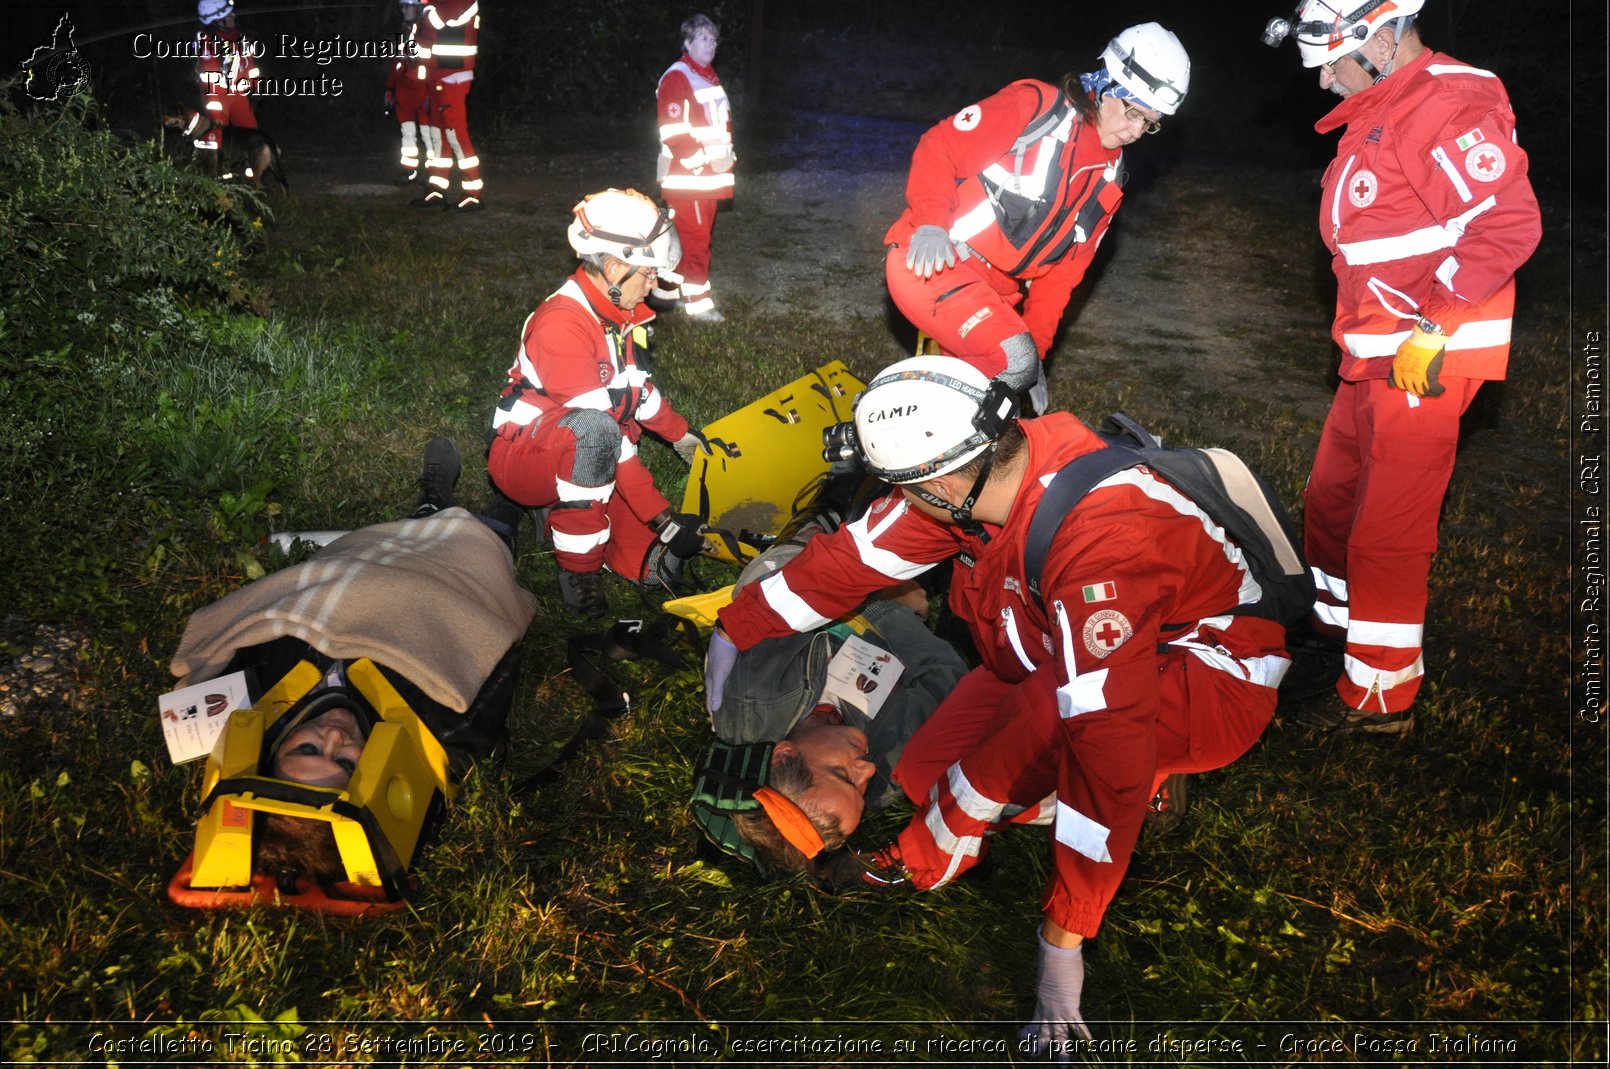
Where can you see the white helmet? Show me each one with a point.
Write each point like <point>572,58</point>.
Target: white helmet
<point>627,225</point>
<point>1327,30</point>
<point>916,420</point>
<point>211,11</point>
<point>1151,64</point>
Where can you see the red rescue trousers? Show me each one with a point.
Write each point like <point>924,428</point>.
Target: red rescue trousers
<point>531,465</point>
<point>227,109</point>
<point>447,117</point>
<point>410,97</point>
<point>967,309</point>
<point>1370,516</point>
<point>996,753</point>
<point>695,222</point>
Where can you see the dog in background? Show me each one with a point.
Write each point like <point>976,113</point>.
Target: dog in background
<point>241,150</point>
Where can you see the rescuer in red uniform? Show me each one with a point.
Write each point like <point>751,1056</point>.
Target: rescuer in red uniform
<point>1008,199</point>
<point>227,69</point>
<point>446,43</point>
<point>580,397</point>
<point>405,95</point>
<point>1427,213</point>
<point>1145,655</point>
<point>696,159</point>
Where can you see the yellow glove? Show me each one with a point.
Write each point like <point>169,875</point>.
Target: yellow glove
<point>1418,362</point>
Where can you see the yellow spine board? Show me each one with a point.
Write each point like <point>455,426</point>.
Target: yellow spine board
<point>767,455</point>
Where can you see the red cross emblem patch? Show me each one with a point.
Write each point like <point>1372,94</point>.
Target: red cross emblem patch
<point>1361,189</point>
<point>1485,162</point>
<point>968,117</point>
<point>1105,631</point>
<point>674,110</point>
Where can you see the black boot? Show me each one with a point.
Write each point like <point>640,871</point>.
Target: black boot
<point>583,593</point>
<point>438,477</point>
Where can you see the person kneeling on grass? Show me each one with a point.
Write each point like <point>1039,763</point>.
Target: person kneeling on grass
<point>412,625</point>
<point>1144,652</point>
<point>820,719</point>
<point>580,397</point>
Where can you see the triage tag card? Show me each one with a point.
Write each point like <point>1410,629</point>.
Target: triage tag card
<point>862,675</point>
<point>192,717</point>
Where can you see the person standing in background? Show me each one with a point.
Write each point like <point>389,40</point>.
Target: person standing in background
<point>696,160</point>
<point>446,50</point>
<point>227,70</point>
<point>405,96</point>
<point>1427,213</point>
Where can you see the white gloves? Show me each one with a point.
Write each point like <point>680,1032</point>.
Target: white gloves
<point>1040,393</point>
<point>929,245</point>
<point>687,447</point>
<point>718,662</point>
<point>1056,1004</point>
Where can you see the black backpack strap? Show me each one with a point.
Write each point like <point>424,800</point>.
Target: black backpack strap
<point>1220,484</point>
<point>1067,488</point>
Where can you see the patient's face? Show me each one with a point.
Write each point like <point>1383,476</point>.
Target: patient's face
<point>836,754</point>
<point>321,752</point>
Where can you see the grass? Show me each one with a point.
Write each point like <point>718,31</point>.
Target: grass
<point>1455,875</point>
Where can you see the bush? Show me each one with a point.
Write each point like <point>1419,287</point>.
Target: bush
<point>108,245</point>
<point>118,272</point>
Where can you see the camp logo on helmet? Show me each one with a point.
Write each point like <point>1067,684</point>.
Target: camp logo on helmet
<point>891,413</point>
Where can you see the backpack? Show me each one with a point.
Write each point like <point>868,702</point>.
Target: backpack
<point>1217,481</point>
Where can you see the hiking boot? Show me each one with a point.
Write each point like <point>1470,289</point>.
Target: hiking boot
<point>1167,807</point>
<point>539,520</point>
<point>583,593</point>
<point>437,477</point>
<point>469,203</point>
<point>1344,721</point>
<point>434,199</point>
<point>878,870</point>
<point>406,178</point>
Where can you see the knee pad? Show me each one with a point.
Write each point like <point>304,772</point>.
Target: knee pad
<point>598,444</point>
<point>1022,362</point>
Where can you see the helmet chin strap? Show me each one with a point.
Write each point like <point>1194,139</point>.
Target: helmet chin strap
<point>614,291</point>
<point>1378,75</point>
<point>963,513</point>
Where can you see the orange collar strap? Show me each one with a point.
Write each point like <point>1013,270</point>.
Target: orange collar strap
<point>791,821</point>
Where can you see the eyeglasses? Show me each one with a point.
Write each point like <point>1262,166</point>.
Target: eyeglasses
<point>1134,114</point>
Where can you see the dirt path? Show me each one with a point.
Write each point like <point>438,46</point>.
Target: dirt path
<point>1210,270</point>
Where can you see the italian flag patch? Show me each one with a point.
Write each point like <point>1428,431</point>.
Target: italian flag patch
<point>1100,592</point>
<point>1474,137</point>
